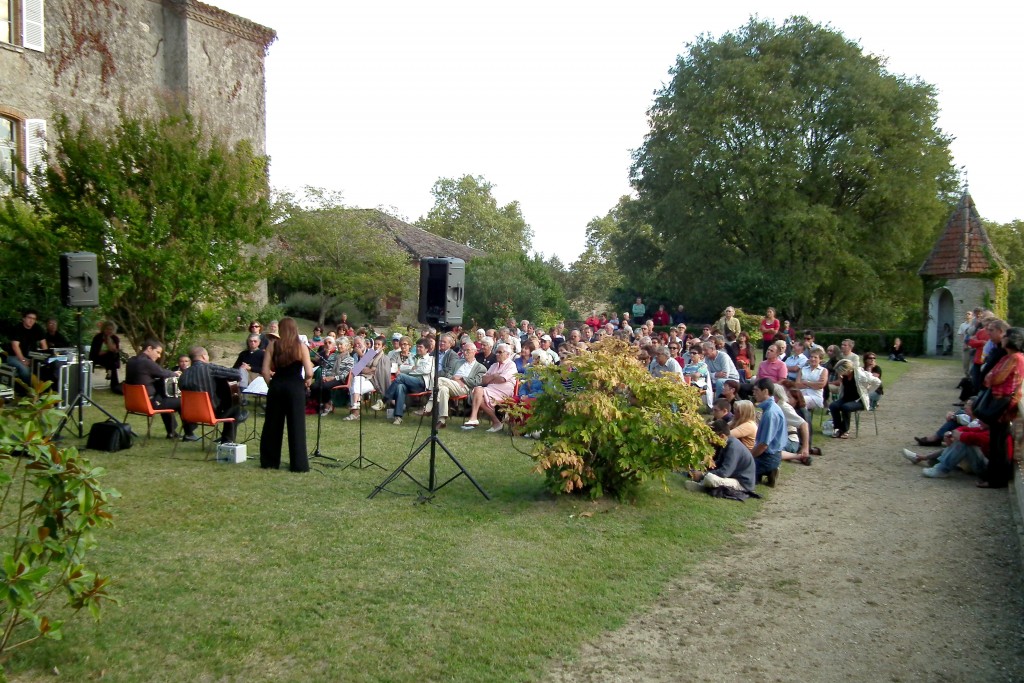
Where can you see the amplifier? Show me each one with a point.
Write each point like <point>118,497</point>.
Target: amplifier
<point>7,376</point>
<point>6,393</point>
<point>68,382</point>
<point>231,452</point>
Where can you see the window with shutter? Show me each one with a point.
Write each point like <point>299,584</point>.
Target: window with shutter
<point>35,145</point>
<point>32,24</point>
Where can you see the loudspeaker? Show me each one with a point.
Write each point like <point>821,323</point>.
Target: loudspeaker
<point>442,290</point>
<point>79,286</point>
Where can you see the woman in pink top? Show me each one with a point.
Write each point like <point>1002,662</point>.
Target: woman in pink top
<point>497,385</point>
<point>772,368</point>
<point>769,328</point>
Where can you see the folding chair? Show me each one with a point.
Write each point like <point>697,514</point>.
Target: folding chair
<point>136,402</point>
<point>856,420</point>
<point>197,408</point>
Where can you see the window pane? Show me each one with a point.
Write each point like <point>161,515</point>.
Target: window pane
<point>8,148</point>
<point>6,14</point>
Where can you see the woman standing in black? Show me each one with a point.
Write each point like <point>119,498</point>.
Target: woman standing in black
<point>283,365</point>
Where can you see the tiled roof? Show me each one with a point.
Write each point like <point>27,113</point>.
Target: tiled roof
<point>964,247</point>
<point>418,242</point>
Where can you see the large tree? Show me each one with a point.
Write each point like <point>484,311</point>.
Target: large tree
<point>503,285</point>
<point>172,213</point>
<point>338,253</point>
<point>1008,239</point>
<point>785,166</point>
<point>465,211</point>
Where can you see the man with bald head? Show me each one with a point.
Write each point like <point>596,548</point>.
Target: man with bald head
<point>204,376</point>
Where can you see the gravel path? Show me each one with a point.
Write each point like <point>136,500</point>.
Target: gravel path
<point>857,569</point>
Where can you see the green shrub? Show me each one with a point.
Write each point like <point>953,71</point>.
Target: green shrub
<point>50,505</point>
<point>609,426</point>
<point>878,341</point>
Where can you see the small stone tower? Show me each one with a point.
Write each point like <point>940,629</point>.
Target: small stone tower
<point>962,272</point>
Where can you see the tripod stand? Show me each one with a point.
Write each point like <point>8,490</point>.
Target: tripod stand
<point>433,441</point>
<point>80,399</point>
<point>330,462</point>
<point>360,462</point>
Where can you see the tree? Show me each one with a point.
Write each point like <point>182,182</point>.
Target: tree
<point>173,214</point>
<point>784,154</point>
<point>594,275</point>
<point>465,211</point>
<point>1008,239</point>
<point>499,286</point>
<point>340,254</point>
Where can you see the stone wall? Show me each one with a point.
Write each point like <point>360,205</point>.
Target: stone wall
<point>143,54</point>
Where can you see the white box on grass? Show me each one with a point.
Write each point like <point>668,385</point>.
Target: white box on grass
<point>231,452</point>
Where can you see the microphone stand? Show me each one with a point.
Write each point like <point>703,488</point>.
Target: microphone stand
<point>433,441</point>
<point>80,399</point>
<point>331,462</point>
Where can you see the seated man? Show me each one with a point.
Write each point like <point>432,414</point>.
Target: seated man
<point>415,380</point>
<point>143,369</point>
<point>465,375</point>
<point>251,359</point>
<point>212,379</point>
<point>105,352</point>
<point>796,361</point>
<point>25,338</point>
<point>54,338</point>
<point>771,438</point>
<point>664,365</point>
<point>720,365</point>
<point>734,465</point>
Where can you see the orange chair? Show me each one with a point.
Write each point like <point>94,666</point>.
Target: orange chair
<point>136,402</point>
<point>197,408</point>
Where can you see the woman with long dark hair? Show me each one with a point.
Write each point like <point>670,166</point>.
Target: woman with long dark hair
<point>283,367</point>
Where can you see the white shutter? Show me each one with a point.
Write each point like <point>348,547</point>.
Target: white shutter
<point>35,146</point>
<point>32,24</point>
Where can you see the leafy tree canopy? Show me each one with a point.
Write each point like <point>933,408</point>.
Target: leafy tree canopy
<point>338,253</point>
<point>504,285</point>
<point>1008,239</point>
<point>466,212</point>
<point>172,213</point>
<point>786,167</point>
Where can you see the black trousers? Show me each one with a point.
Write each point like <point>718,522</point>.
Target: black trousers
<point>999,471</point>
<point>286,402</point>
<point>170,424</point>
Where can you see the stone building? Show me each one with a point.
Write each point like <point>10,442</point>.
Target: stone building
<point>963,272</point>
<point>87,58</point>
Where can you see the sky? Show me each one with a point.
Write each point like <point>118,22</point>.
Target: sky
<point>547,100</point>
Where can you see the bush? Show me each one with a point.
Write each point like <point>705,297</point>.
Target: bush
<point>609,426</point>
<point>878,341</point>
<point>50,505</point>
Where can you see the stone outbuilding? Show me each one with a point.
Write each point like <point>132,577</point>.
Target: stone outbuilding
<point>963,272</point>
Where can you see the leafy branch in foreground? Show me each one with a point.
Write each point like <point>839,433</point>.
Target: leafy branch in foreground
<point>609,425</point>
<point>51,502</point>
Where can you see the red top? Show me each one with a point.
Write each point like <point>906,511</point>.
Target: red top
<point>661,318</point>
<point>1005,378</point>
<point>768,330</point>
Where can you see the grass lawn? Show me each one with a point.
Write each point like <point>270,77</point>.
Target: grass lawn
<point>228,572</point>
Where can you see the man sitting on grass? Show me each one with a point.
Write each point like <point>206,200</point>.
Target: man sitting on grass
<point>734,465</point>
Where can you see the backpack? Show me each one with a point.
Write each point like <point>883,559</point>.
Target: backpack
<point>110,436</point>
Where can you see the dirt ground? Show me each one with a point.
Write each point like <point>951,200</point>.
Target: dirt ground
<point>857,569</point>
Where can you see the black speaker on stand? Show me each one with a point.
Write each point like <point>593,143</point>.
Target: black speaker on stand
<point>442,292</point>
<point>79,288</point>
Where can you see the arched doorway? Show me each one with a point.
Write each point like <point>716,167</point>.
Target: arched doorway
<point>941,325</point>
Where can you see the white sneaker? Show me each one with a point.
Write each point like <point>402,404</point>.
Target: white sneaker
<point>496,428</point>
<point>935,473</point>
<point>378,406</point>
<point>397,421</point>
<point>910,455</point>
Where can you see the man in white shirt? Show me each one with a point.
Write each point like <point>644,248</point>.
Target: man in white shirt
<point>796,361</point>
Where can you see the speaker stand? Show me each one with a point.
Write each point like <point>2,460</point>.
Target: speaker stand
<point>80,397</point>
<point>428,490</point>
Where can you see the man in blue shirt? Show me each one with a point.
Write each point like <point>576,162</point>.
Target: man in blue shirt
<point>771,431</point>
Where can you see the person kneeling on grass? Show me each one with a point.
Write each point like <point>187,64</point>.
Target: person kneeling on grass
<point>734,465</point>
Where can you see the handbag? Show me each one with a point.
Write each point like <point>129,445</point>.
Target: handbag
<point>988,407</point>
<point>111,436</point>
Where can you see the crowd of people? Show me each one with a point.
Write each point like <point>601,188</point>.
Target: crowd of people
<point>975,437</point>
<point>763,397</point>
